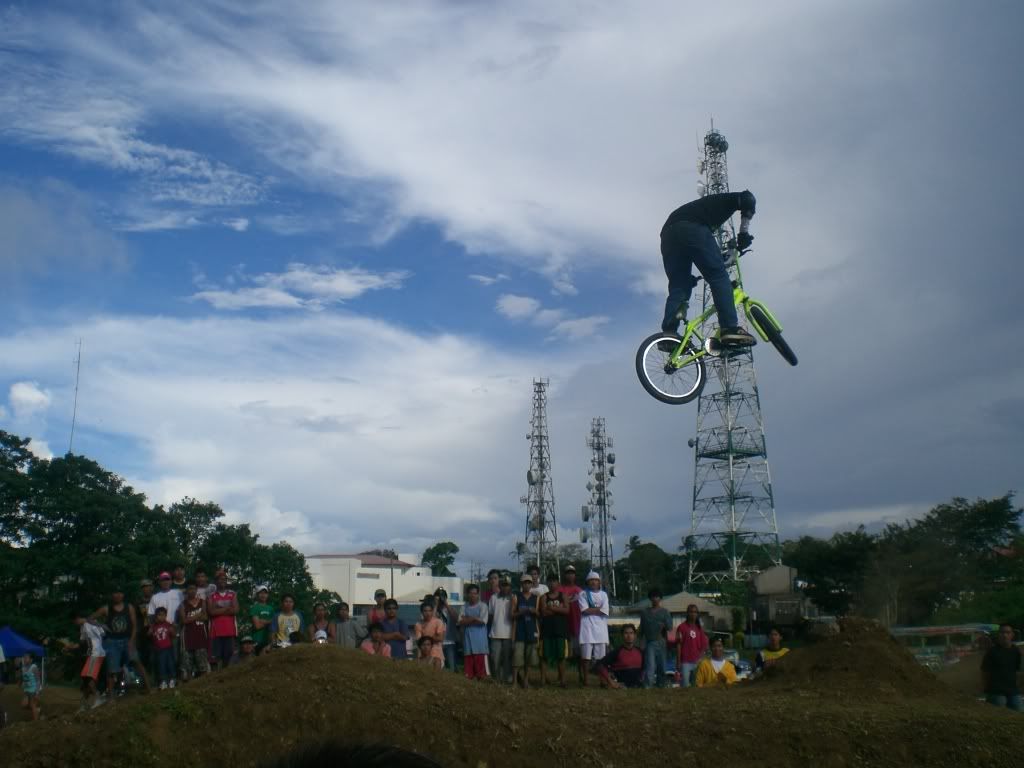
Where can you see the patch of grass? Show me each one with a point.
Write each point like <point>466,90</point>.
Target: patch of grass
<point>182,708</point>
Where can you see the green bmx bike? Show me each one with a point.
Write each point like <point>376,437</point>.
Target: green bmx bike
<point>671,367</point>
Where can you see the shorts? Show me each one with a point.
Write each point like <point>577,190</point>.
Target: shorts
<point>92,668</point>
<point>118,654</point>
<point>555,649</point>
<point>593,651</point>
<point>524,654</point>
<point>223,649</point>
<point>195,662</point>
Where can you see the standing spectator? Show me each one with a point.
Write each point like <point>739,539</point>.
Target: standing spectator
<point>178,580</point>
<point>539,587</point>
<point>524,614</point>
<point>377,613</point>
<point>142,635</point>
<point>767,656</point>
<point>624,666</point>
<point>594,611</point>
<point>375,644</point>
<point>119,642</point>
<point>246,649</point>
<point>716,671</point>
<point>500,610</point>
<point>203,585</point>
<point>321,623</point>
<point>432,627</point>
<point>447,614</point>
<point>427,654</point>
<point>999,669</point>
<point>222,608</point>
<point>286,622</point>
<point>396,631</point>
<point>260,614</point>
<point>162,633</point>
<point>554,630</point>
<point>167,598</point>
<point>348,632</point>
<point>195,633</point>
<point>691,643</point>
<point>572,591</point>
<point>90,640</point>
<point>493,587</point>
<point>655,624</point>
<point>474,634</point>
<point>31,685</point>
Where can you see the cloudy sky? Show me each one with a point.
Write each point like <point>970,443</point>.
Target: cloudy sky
<point>317,252</point>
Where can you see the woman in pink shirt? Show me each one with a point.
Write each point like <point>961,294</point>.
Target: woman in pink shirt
<point>375,644</point>
<point>431,627</point>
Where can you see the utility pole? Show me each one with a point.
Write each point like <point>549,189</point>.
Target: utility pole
<point>74,411</point>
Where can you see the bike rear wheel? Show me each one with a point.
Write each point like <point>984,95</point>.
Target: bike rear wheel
<point>662,381</point>
<point>773,333</point>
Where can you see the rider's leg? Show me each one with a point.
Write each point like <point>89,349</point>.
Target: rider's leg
<point>678,262</point>
<point>711,264</point>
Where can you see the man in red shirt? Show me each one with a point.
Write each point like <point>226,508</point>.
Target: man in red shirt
<point>571,590</point>
<point>691,643</point>
<point>623,667</point>
<point>222,607</point>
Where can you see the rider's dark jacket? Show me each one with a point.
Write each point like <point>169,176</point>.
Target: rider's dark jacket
<point>713,210</point>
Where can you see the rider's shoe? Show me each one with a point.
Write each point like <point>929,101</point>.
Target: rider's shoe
<point>736,337</point>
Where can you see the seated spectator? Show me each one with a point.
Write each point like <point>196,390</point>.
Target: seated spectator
<point>999,669</point>
<point>431,627</point>
<point>624,666</point>
<point>348,632</point>
<point>427,656</point>
<point>375,644</point>
<point>286,623</point>
<point>716,671</point>
<point>246,649</point>
<point>774,651</point>
<point>320,623</point>
<point>396,631</point>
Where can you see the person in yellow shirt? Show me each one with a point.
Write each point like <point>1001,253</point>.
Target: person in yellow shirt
<point>774,651</point>
<point>716,671</point>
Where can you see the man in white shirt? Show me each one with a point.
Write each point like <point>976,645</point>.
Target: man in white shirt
<point>500,610</point>
<point>594,610</point>
<point>166,598</point>
<point>539,587</point>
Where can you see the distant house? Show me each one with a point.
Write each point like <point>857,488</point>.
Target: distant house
<point>714,617</point>
<point>777,600</point>
<point>357,576</point>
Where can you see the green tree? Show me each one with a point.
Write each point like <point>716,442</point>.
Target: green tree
<point>440,558</point>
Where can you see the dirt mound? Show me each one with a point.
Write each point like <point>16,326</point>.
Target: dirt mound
<point>861,660</point>
<point>260,710</point>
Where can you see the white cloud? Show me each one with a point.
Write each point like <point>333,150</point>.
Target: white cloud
<point>301,286</point>
<point>580,327</point>
<point>27,399</point>
<point>521,308</point>
<point>239,225</point>
<point>3,412</point>
<point>40,448</point>
<point>517,307</point>
<point>488,279</point>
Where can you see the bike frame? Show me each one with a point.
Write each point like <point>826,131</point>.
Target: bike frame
<point>743,301</point>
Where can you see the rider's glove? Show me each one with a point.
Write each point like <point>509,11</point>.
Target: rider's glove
<point>743,240</point>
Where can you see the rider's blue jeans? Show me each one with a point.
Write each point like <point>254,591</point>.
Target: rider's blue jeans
<point>684,245</point>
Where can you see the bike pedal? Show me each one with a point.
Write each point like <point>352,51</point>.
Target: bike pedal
<point>713,346</point>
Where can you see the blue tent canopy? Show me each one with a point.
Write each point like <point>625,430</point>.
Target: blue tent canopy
<point>15,645</point>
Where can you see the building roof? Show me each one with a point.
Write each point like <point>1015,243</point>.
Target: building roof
<point>369,561</point>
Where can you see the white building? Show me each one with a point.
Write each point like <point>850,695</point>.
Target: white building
<point>356,577</point>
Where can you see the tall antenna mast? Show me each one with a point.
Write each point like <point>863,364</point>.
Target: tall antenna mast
<point>74,411</point>
<point>541,542</point>
<point>598,512</point>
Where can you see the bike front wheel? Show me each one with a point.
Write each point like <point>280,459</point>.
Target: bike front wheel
<point>662,380</point>
<point>773,334</point>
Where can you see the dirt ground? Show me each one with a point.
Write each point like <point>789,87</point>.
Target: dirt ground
<point>857,699</point>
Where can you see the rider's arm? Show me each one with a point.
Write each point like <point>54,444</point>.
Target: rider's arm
<point>747,204</point>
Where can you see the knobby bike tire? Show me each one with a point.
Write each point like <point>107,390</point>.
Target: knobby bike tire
<point>674,387</point>
<point>774,334</point>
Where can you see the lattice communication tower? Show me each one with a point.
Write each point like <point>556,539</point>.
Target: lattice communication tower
<point>733,530</point>
<point>597,513</point>
<point>541,543</point>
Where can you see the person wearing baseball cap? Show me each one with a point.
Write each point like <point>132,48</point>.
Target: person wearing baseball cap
<point>594,611</point>
<point>167,598</point>
<point>261,613</point>
<point>377,613</point>
<point>246,649</point>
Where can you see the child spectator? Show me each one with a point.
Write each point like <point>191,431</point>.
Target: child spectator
<point>162,633</point>
<point>377,613</point>
<point>260,614</point>
<point>655,624</point>
<point>222,608</point>
<point>427,655</point>
<point>375,644</point>
<point>594,610</point>
<point>554,630</point>
<point>524,614</point>
<point>286,623</point>
<point>90,640</point>
<point>691,642</point>
<point>500,610</point>
<point>192,619</point>
<point>348,632</point>
<point>396,631</point>
<point>474,634</point>
<point>716,671</point>
<point>246,649</point>
<point>624,666</point>
<point>767,656</point>
<point>167,598</point>
<point>320,623</point>
<point>431,627</point>
<point>30,685</point>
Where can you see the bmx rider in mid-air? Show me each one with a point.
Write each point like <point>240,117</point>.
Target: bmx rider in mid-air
<point>687,239</point>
